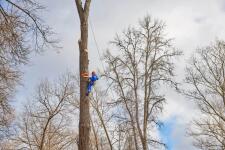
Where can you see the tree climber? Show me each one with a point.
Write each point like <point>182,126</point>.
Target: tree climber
<point>91,82</point>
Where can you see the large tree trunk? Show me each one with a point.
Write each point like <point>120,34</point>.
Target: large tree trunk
<point>84,124</point>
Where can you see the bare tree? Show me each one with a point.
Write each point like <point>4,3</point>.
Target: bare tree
<point>8,144</point>
<point>142,63</point>
<point>84,124</point>
<point>45,123</point>
<point>101,119</point>
<point>205,77</point>
<point>21,32</point>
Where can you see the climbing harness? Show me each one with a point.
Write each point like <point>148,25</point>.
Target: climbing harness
<point>91,82</point>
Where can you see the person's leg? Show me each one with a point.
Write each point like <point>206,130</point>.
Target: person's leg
<point>89,88</point>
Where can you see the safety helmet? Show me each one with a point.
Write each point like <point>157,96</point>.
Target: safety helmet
<point>93,72</point>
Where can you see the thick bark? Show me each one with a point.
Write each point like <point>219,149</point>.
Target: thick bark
<point>84,124</point>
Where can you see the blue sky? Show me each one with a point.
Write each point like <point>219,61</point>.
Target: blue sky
<point>173,134</point>
<point>191,23</point>
<point>166,133</point>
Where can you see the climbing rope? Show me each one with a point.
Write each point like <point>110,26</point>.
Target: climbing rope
<point>98,49</point>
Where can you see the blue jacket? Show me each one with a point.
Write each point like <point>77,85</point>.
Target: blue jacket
<point>93,78</point>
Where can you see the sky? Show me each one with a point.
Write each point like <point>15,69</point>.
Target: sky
<point>192,24</point>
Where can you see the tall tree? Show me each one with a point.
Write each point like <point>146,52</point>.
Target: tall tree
<point>21,32</point>
<point>143,63</point>
<point>206,79</point>
<point>84,124</point>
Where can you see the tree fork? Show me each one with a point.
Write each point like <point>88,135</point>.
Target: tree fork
<point>84,124</point>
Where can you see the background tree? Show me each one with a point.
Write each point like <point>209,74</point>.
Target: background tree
<point>101,119</point>
<point>45,123</point>
<point>206,80</point>
<point>21,32</point>
<point>142,64</point>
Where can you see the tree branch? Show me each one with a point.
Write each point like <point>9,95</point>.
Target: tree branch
<point>87,7</point>
<point>31,17</point>
<point>79,8</point>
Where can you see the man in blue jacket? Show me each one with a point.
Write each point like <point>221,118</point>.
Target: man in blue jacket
<point>91,82</point>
